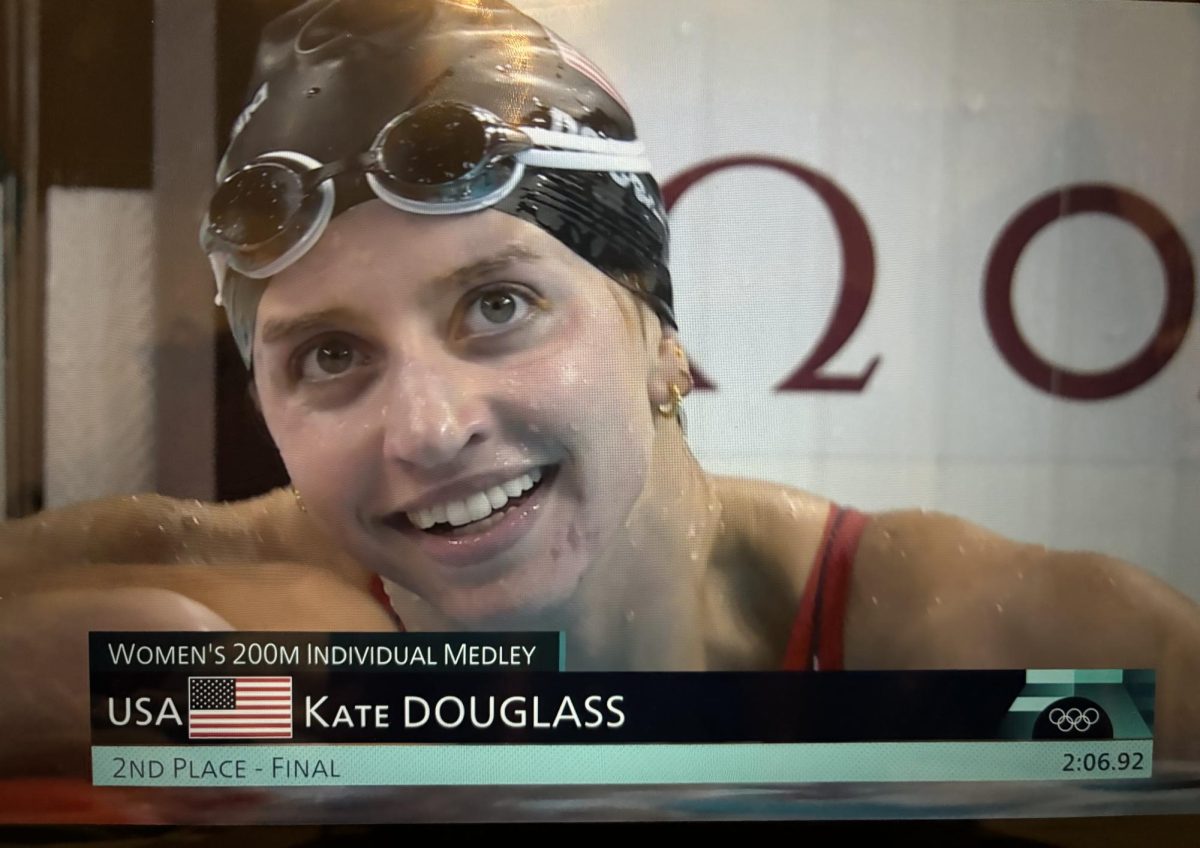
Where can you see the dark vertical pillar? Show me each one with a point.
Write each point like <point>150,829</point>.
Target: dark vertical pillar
<point>184,161</point>
<point>24,259</point>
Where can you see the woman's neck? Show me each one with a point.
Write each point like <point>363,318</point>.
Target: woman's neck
<point>641,606</point>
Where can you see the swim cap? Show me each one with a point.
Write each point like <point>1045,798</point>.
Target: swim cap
<point>331,73</point>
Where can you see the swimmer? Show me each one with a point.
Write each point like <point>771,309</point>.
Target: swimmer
<point>444,259</point>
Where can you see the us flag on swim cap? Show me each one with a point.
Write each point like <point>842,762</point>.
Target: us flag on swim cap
<point>586,67</point>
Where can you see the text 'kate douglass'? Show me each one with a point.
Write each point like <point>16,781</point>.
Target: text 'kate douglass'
<point>451,711</point>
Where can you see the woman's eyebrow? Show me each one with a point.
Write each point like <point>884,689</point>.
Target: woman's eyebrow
<point>467,274</point>
<point>277,329</point>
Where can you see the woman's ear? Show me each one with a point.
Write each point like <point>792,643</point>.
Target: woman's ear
<point>670,370</point>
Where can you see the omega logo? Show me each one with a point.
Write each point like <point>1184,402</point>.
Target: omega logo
<point>858,281</point>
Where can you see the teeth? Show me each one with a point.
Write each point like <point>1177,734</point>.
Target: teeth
<point>496,497</point>
<point>457,514</point>
<point>477,506</point>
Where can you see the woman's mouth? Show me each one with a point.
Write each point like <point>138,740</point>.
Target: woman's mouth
<point>469,530</point>
<point>478,511</point>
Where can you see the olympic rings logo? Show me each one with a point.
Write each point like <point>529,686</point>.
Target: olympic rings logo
<point>1074,719</point>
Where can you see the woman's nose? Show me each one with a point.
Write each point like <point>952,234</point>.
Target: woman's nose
<point>431,416</point>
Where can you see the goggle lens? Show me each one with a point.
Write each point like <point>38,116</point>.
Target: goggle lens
<point>256,204</point>
<point>434,146</point>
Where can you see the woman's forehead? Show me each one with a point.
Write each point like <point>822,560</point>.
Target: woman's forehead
<point>375,263</point>
<point>373,245</point>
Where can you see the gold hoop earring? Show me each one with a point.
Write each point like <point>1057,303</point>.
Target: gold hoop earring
<point>674,409</point>
<point>671,408</point>
<point>299,500</point>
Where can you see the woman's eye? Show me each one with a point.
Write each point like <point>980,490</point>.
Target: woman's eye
<point>328,359</point>
<point>495,310</point>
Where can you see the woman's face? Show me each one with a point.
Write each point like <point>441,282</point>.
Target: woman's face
<point>462,401</point>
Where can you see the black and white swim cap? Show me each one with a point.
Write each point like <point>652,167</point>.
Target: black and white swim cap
<point>330,73</point>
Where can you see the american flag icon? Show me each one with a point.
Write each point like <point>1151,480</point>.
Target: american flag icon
<point>239,708</point>
<point>586,67</point>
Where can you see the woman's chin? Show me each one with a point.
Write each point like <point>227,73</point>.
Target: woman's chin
<point>508,604</point>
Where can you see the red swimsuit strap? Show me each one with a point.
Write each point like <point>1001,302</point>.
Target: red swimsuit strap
<point>380,594</point>
<point>817,635</point>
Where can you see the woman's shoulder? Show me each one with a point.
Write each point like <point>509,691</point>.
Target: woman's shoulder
<point>782,525</point>
<point>771,534</point>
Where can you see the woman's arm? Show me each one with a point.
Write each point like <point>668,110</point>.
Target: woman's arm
<point>45,619</point>
<point>933,591</point>
<point>158,529</point>
<point>149,563</point>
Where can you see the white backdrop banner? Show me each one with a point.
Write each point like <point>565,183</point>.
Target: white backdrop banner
<point>935,254</point>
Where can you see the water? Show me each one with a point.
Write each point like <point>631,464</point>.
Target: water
<point>1174,790</point>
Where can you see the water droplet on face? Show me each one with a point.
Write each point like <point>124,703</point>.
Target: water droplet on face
<point>999,608</point>
<point>962,549</point>
<point>874,601</point>
<point>937,601</point>
<point>196,520</point>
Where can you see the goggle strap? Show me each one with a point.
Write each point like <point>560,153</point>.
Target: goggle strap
<point>578,161</point>
<point>583,143</point>
<point>312,179</point>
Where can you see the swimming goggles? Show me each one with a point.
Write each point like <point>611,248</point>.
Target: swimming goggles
<point>441,158</point>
